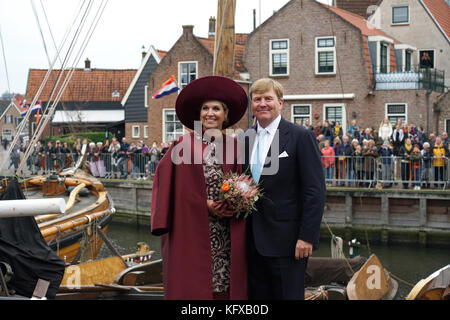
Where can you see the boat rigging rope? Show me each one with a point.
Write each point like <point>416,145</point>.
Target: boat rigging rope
<point>4,60</point>
<point>56,48</point>
<point>332,234</point>
<point>346,259</point>
<point>24,121</point>
<point>51,108</point>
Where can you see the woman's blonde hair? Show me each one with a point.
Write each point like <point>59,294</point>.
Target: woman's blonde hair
<point>264,85</point>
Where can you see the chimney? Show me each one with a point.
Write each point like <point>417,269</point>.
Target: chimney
<point>87,65</point>
<point>143,52</point>
<point>212,27</point>
<point>188,30</point>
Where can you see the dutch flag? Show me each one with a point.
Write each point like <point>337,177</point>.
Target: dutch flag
<point>24,109</point>
<point>167,88</point>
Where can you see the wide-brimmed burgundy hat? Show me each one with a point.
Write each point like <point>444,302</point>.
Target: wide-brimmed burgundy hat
<point>219,88</point>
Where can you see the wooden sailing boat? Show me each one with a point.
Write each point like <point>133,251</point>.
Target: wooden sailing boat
<point>435,287</point>
<point>72,235</point>
<point>72,232</point>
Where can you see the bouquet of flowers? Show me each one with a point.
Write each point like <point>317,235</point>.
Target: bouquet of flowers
<point>240,193</point>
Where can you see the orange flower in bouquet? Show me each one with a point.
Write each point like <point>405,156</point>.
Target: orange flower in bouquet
<point>240,193</point>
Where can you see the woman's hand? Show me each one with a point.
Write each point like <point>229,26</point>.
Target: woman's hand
<point>219,208</point>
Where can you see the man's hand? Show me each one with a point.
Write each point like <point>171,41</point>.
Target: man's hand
<point>303,249</point>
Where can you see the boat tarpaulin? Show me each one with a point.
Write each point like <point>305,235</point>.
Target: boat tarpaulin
<point>25,250</point>
<point>322,270</point>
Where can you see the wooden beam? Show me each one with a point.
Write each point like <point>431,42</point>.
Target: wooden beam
<point>225,39</point>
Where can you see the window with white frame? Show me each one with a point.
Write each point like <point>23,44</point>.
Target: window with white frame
<point>400,15</point>
<point>172,127</point>
<point>300,113</point>
<point>336,113</point>
<point>146,96</point>
<point>7,133</point>
<point>396,111</point>
<point>384,57</point>
<point>408,61</point>
<point>135,131</point>
<point>325,55</point>
<point>187,71</point>
<point>145,131</point>
<point>279,57</point>
<point>383,51</point>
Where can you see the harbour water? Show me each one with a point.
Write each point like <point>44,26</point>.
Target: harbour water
<point>408,263</point>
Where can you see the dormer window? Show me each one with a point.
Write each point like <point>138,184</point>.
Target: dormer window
<point>116,94</point>
<point>403,54</point>
<point>382,59</point>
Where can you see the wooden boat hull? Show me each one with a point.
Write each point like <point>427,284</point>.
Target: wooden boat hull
<point>75,229</point>
<point>435,287</point>
<point>109,278</point>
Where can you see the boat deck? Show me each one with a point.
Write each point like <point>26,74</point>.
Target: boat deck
<point>86,198</point>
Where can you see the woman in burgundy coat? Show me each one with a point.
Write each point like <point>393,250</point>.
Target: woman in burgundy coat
<point>202,243</point>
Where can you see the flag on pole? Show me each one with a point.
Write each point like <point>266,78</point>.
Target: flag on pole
<point>34,109</point>
<point>168,87</point>
<point>23,108</point>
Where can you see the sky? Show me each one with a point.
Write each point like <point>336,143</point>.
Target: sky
<point>124,28</point>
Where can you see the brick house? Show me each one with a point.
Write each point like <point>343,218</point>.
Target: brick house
<point>424,24</point>
<point>191,57</point>
<point>334,65</point>
<point>90,102</point>
<point>135,100</point>
<point>10,117</point>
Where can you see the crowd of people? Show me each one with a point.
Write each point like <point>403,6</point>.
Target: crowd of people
<point>106,159</point>
<point>359,154</point>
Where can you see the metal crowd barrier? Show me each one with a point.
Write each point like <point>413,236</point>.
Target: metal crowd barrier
<point>106,165</point>
<point>357,171</point>
<point>386,172</point>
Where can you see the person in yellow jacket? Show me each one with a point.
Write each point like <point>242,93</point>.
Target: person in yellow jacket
<point>440,161</point>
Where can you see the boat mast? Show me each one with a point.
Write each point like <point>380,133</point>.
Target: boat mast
<point>225,39</point>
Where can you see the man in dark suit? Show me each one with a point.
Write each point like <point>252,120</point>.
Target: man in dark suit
<point>285,228</point>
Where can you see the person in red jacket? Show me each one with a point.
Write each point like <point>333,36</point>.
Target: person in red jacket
<point>328,155</point>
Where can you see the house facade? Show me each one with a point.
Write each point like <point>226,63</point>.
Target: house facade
<point>191,57</point>
<point>90,102</point>
<point>424,24</point>
<point>334,66</point>
<point>10,118</point>
<point>135,100</point>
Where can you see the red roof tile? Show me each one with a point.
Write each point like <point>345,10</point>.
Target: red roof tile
<point>358,7</point>
<point>161,53</point>
<point>239,49</point>
<point>440,11</point>
<point>366,28</point>
<point>84,86</point>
